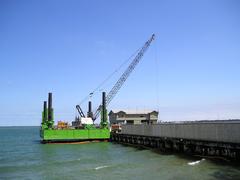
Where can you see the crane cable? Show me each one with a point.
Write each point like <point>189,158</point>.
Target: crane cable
<point>157,75</point>
<point>108,77</point>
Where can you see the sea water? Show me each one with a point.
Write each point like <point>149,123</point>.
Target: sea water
<point>22,156</point>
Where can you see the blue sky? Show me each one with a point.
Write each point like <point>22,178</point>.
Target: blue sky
<point>191,71</point>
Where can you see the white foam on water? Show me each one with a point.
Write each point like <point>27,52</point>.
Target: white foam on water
<point>100,167</point>
<point>195,162</point>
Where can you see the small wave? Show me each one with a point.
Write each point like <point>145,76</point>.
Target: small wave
<point>100,167</point>
<point>195,162</point>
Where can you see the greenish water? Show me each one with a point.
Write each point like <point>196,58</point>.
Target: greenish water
<point>23,157</point>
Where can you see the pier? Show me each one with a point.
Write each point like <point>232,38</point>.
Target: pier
<point>205,138</point>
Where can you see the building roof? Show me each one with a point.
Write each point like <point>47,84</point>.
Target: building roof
<point>133,111</point>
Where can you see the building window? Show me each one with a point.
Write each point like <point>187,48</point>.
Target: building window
<point>121,115</point>
<point>130,122</point>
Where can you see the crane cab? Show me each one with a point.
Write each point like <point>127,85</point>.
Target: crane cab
<point>86,120</point>
<point>82,122</point>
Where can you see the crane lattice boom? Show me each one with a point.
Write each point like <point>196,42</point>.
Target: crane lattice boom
<point>125,75</point>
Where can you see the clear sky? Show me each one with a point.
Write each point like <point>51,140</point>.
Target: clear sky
<point>68,47</point>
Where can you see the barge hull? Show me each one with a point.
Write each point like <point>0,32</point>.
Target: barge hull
<point>74,135</point>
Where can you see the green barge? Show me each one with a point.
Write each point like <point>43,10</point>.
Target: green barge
<point>80,132</point>
<point>83,128</point>
<point>74,135</point>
